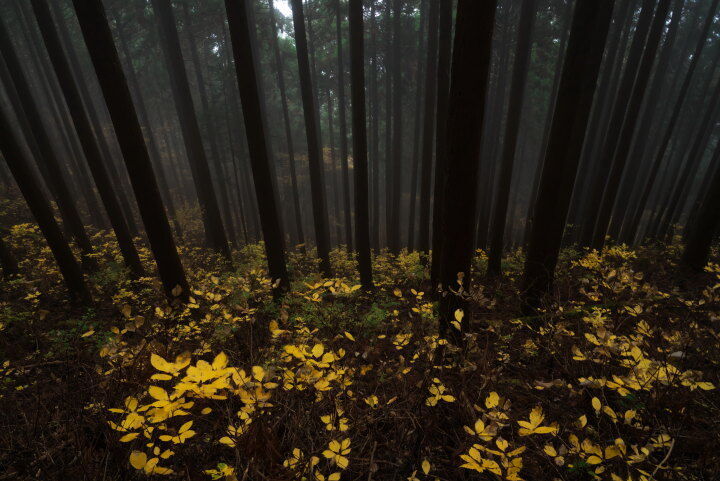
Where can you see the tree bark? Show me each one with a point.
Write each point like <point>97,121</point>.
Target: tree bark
<point>466,105</point>
<point>313,140</point>
<point>170,45</point>
<point>255,128</point>
<point>590,24</point>
<point>106,61</point>
<point>359,137</point>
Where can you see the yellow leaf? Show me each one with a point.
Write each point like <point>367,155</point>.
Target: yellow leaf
<point>89,333</point>
<point>426,466</point>
<point>138,459</point>
<point>492,400</point>
<point>596,404</point>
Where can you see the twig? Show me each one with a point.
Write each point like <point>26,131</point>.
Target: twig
<point>372,455</point>
<point>667,456</point>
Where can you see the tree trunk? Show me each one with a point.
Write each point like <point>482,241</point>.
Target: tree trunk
<point>512,128</point>
<point>40,208</point>
<point>313,141</point>
<point>255,128</point>
<point>588,33</point>
<point>7,260</point>
<point>105,59</point>
<point>343,129</point>
<point>359,137</point>
<point>85,133</point>
<point>394,237</point>
<point>466,105</point>
<point>374,132</point>
<point>280,70</point>
<point>170,45</point>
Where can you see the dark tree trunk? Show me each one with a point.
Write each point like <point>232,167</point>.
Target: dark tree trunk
<point>170,45</point>
<point>590,24</point>
<point>697,248</point>
<point>335,171</point>
<point>134,86</point>
<point>374,131</point>
<point>632,109</point>
<point>107,192</point>
<point>359,136</point>
<point>255,128</point>
<point>7,260</point>
<point>512,128</point>
<point>31,111</point>
<point>343,129</point>
<point>106,61</point>
<point>280,70</point>
<point>313,140</point>
<point>387,154</point>
<point>466,105</point>
<point>420,71</point>
<point>670,128</point>
<point>397,124</point>
<point>40,208</point>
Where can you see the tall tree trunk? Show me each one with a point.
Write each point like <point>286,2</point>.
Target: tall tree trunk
<point>107,192</point>
<point>359,138</point>
<point>40,208</point>
<point>106,61</point>
<point>441,136</point>
<point>512,128</point>
<point>141,109</point>
<point>31,111</point>
<point>472,53</point>
<point>256,128</point>
<point>313,141</point>
<point>669,129</point>
<point>619,156</point>
<point>419,96</point>
<point>280,70</point>
<point>588,33</point>
<point>374,131</point>
<point>343,129</point>
<point>394,237</point>
<point>334,164</point>
<point>170,45</point>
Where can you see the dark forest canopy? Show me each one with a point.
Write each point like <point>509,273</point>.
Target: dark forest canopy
<point>152,149</point>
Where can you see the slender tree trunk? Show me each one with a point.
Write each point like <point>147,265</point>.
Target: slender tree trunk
<point>29,110</point>
<point>472,53</point>
<point>397,124</point>
<point>419,96</point>
<point>280,70</point>
<point>107,192</point>
<point>313,141</point>
<point>619,157</point>
<point>40,208</point>
<point>334,164</point>
<point>255,128</point>
<point>343,129</point>
<point>141,109</point>
<point>170,45</point>
<point>374,131</point>
<point>512,128</point>
<point>106,61</point>
<point>588,33</point>
<point>359,137</point>
<point>441,136</point>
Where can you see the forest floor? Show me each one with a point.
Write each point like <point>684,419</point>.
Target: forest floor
<point>615,380</point>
